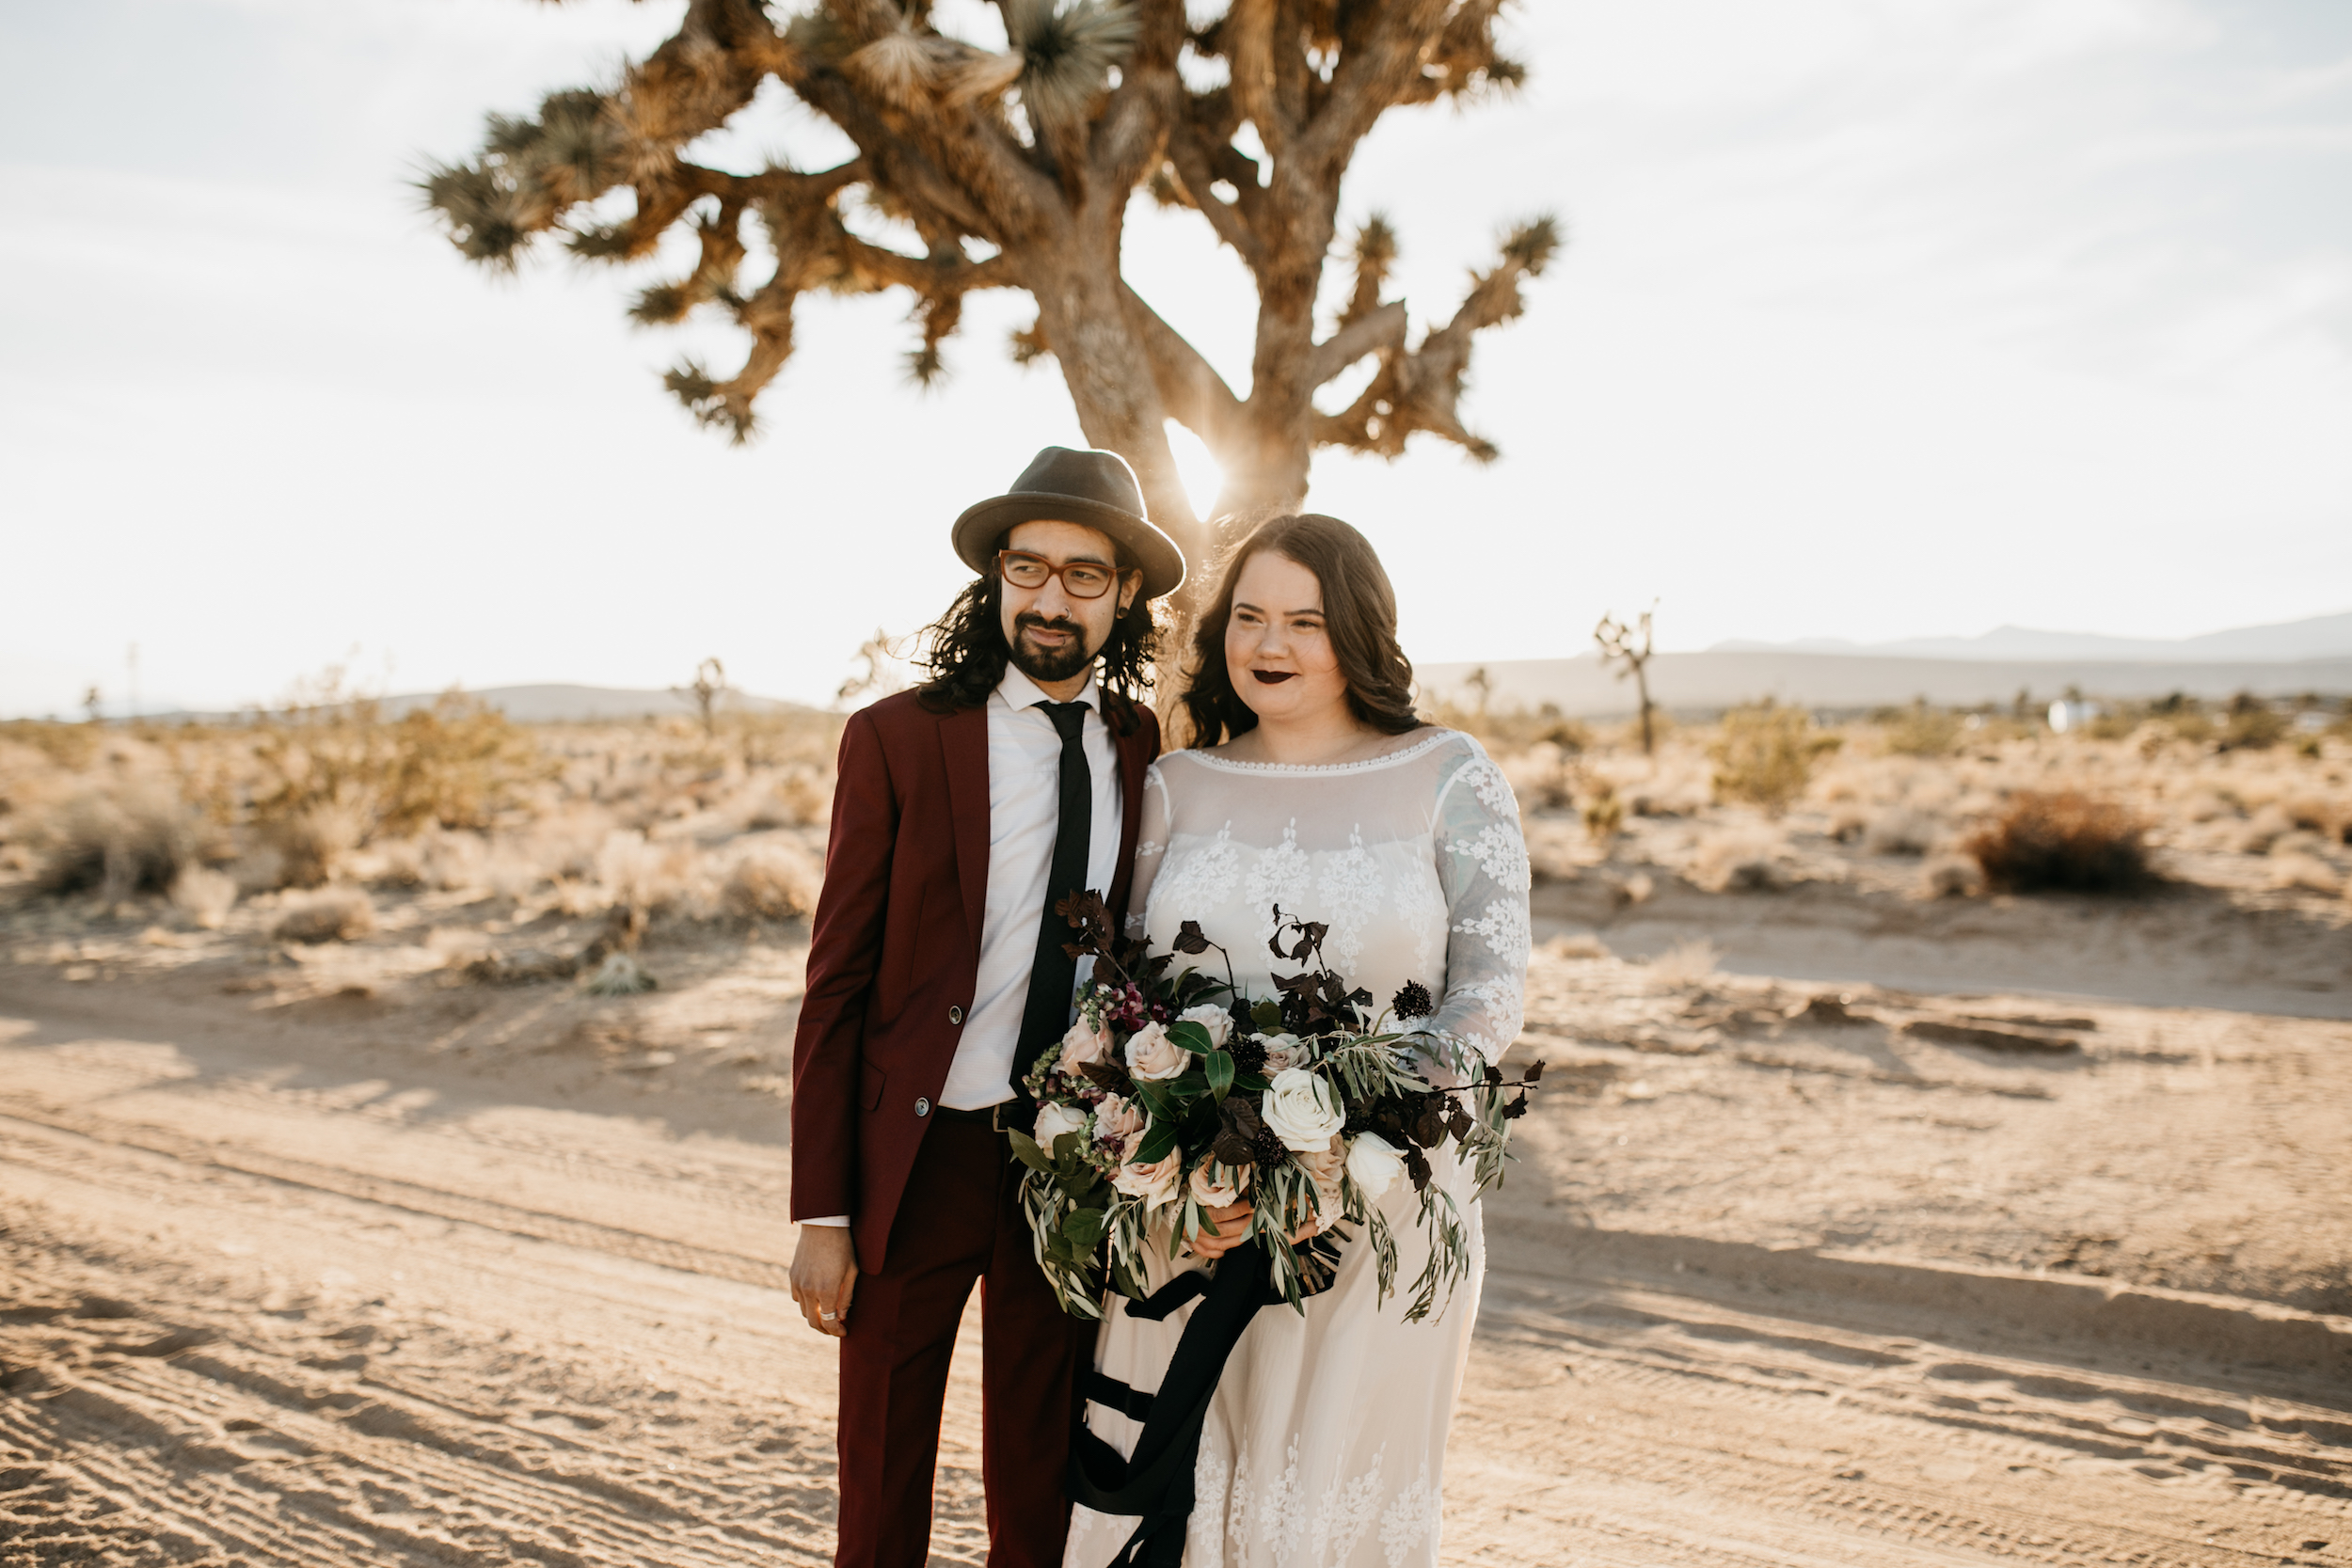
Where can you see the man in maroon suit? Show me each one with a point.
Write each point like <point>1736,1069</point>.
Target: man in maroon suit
<point>964,811</point>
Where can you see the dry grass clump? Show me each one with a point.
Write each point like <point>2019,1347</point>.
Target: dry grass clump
<point>1737,860</point>
<point>802,797</point>
<point>119,843</point>
<point>1686,965</point>
<point>1951,877</point>
<point>1920,731</point>
<point>330,914</point>
<point>2062,840</point>
<point>2300,869</point>
<point>775,881</point>
<point>204,896</point>
<point>1766,755</point>
<point>1901,831</point>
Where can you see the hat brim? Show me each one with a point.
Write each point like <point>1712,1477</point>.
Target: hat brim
<point>981,526</point>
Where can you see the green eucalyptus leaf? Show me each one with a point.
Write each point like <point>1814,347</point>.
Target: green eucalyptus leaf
<point>1025,1150</point>
<point>1192,1037</point>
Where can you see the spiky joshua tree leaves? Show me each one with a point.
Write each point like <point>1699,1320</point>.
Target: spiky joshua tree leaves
<point>1013,169</point>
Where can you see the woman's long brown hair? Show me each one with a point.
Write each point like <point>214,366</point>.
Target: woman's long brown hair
<point>1359,609</point>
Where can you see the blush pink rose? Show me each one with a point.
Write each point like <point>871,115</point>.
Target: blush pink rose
<point>1152,1054</point>
<point>1120,1120</point>
<point>1084,1044</point>
<point>1155,1183</point>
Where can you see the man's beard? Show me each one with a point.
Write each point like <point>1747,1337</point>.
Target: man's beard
<point>1041,664</point>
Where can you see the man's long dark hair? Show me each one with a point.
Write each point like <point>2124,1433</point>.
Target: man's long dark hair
<point>1359,608</point>
<point>966,654</point>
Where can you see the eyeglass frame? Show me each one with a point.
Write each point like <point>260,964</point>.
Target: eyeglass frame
<point>1054,573</point>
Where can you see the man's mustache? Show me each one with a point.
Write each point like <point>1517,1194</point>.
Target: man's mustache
<point>1029,619</point>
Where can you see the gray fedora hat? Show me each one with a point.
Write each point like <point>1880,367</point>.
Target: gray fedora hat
<point>1095,488</point>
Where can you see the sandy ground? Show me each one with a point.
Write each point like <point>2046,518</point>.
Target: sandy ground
<point>323,1257</point>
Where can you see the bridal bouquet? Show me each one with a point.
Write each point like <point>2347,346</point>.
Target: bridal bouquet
<point>1174,1095</point>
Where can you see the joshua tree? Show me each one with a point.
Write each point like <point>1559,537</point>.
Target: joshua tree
<point>1012,168</point>
<point>710,684</point>
<point>1617,647</point>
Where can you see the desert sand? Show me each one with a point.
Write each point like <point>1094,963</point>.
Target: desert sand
<point>1852,1225</point>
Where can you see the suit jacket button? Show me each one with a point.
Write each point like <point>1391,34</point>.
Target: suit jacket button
<point>922,1106</point>
<point>955,1014</point>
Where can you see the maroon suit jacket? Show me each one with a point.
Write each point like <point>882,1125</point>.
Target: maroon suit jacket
<point>895,952</point>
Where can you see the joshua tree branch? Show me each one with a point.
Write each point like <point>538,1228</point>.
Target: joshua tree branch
<point>1382,328</point>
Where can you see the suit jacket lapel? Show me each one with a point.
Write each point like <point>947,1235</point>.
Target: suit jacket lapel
<point>963,742</point>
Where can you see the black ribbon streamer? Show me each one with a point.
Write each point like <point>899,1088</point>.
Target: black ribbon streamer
<point>1155,1481</point>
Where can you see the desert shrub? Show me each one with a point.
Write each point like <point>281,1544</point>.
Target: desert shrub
<point>801,797</point>
<point>775,881</point>
<point>1686,965</point>
<point>120,843</point>
<point>2062,840</point>
<point>1901,831</point>
<point>2264,828</point>
<point>1540,777</point>
<point>205,896</point>
<point>619,975</point>
<point>1603,812</point>
<point>454,765</point>
<point>1766,754</point>
<point>1920,731</point>
<point>2252,725</point>
<point>331,914</point>
<point>1738,860</point>
<point>309,846</point>
<point>1951,877</point>
<point>2300,869</point>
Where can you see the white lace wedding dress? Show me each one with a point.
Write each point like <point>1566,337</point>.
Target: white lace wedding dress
<point>1325,1446</point>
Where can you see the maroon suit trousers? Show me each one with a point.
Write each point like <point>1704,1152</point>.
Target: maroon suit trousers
<point>958,1221</point>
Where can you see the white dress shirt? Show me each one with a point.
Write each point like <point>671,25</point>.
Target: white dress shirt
<point>1024,819</point>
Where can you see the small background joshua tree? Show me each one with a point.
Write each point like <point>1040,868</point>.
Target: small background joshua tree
<point>710,684</point>
<point>1629,646</point>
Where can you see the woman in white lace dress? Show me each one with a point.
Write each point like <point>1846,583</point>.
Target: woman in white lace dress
<point>1325,1446</point>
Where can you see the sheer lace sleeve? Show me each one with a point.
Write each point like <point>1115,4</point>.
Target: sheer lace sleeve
<point>1482,867</point>
<point>1151,848</point>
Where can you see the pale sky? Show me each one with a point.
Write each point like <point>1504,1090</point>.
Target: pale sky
<point>1879,318</point>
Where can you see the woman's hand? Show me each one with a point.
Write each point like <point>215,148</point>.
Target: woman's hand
<point>1232,1228</point>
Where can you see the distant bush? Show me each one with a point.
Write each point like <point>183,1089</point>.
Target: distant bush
<point>118,843</point>
<point>2252,725</point>
<point>1766,755</point>
<point>336,914</point>
<point>1920,731</point>
<point>2062,840</point>
<point>775,882</point>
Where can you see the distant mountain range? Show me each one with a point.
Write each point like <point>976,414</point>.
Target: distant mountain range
<point>2320,636</point>
<point>554,705</point>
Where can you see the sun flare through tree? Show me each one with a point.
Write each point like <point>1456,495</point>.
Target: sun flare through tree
<point>1013,168</point>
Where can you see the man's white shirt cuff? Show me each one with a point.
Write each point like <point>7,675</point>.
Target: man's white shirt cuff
<point>838,1220</point>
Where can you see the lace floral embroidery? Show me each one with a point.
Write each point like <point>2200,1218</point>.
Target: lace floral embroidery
<point>1500,852</point>
<point>1350,892</point>
<point>1411,1521</point>
<point>1493,790</point>
<point>1504,926</point>
<point>1421,909</point>
<point>1279,877</point>
<point>1202,878</point>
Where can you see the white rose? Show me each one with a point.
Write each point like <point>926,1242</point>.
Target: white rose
<point>1216,1020</point>
<point>1302,1110</point>
<point>1083,1044</point>
<point>1152,1054</point>
<point>1218,1185</point>
<point>1284,1052</point>
<point>1374,1163</point>
<point>1054,1119</point>
<point>1156,1182</point>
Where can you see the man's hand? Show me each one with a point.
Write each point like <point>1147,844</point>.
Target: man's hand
<point>1232,1228</point>
<point>824,1274</point>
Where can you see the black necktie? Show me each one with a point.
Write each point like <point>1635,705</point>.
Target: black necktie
<point>1053,974</point>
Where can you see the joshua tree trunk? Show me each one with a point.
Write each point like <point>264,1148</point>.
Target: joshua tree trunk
<point>1012,169</point>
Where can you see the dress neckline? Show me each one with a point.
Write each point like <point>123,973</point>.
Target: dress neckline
<point>1364,765</point>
